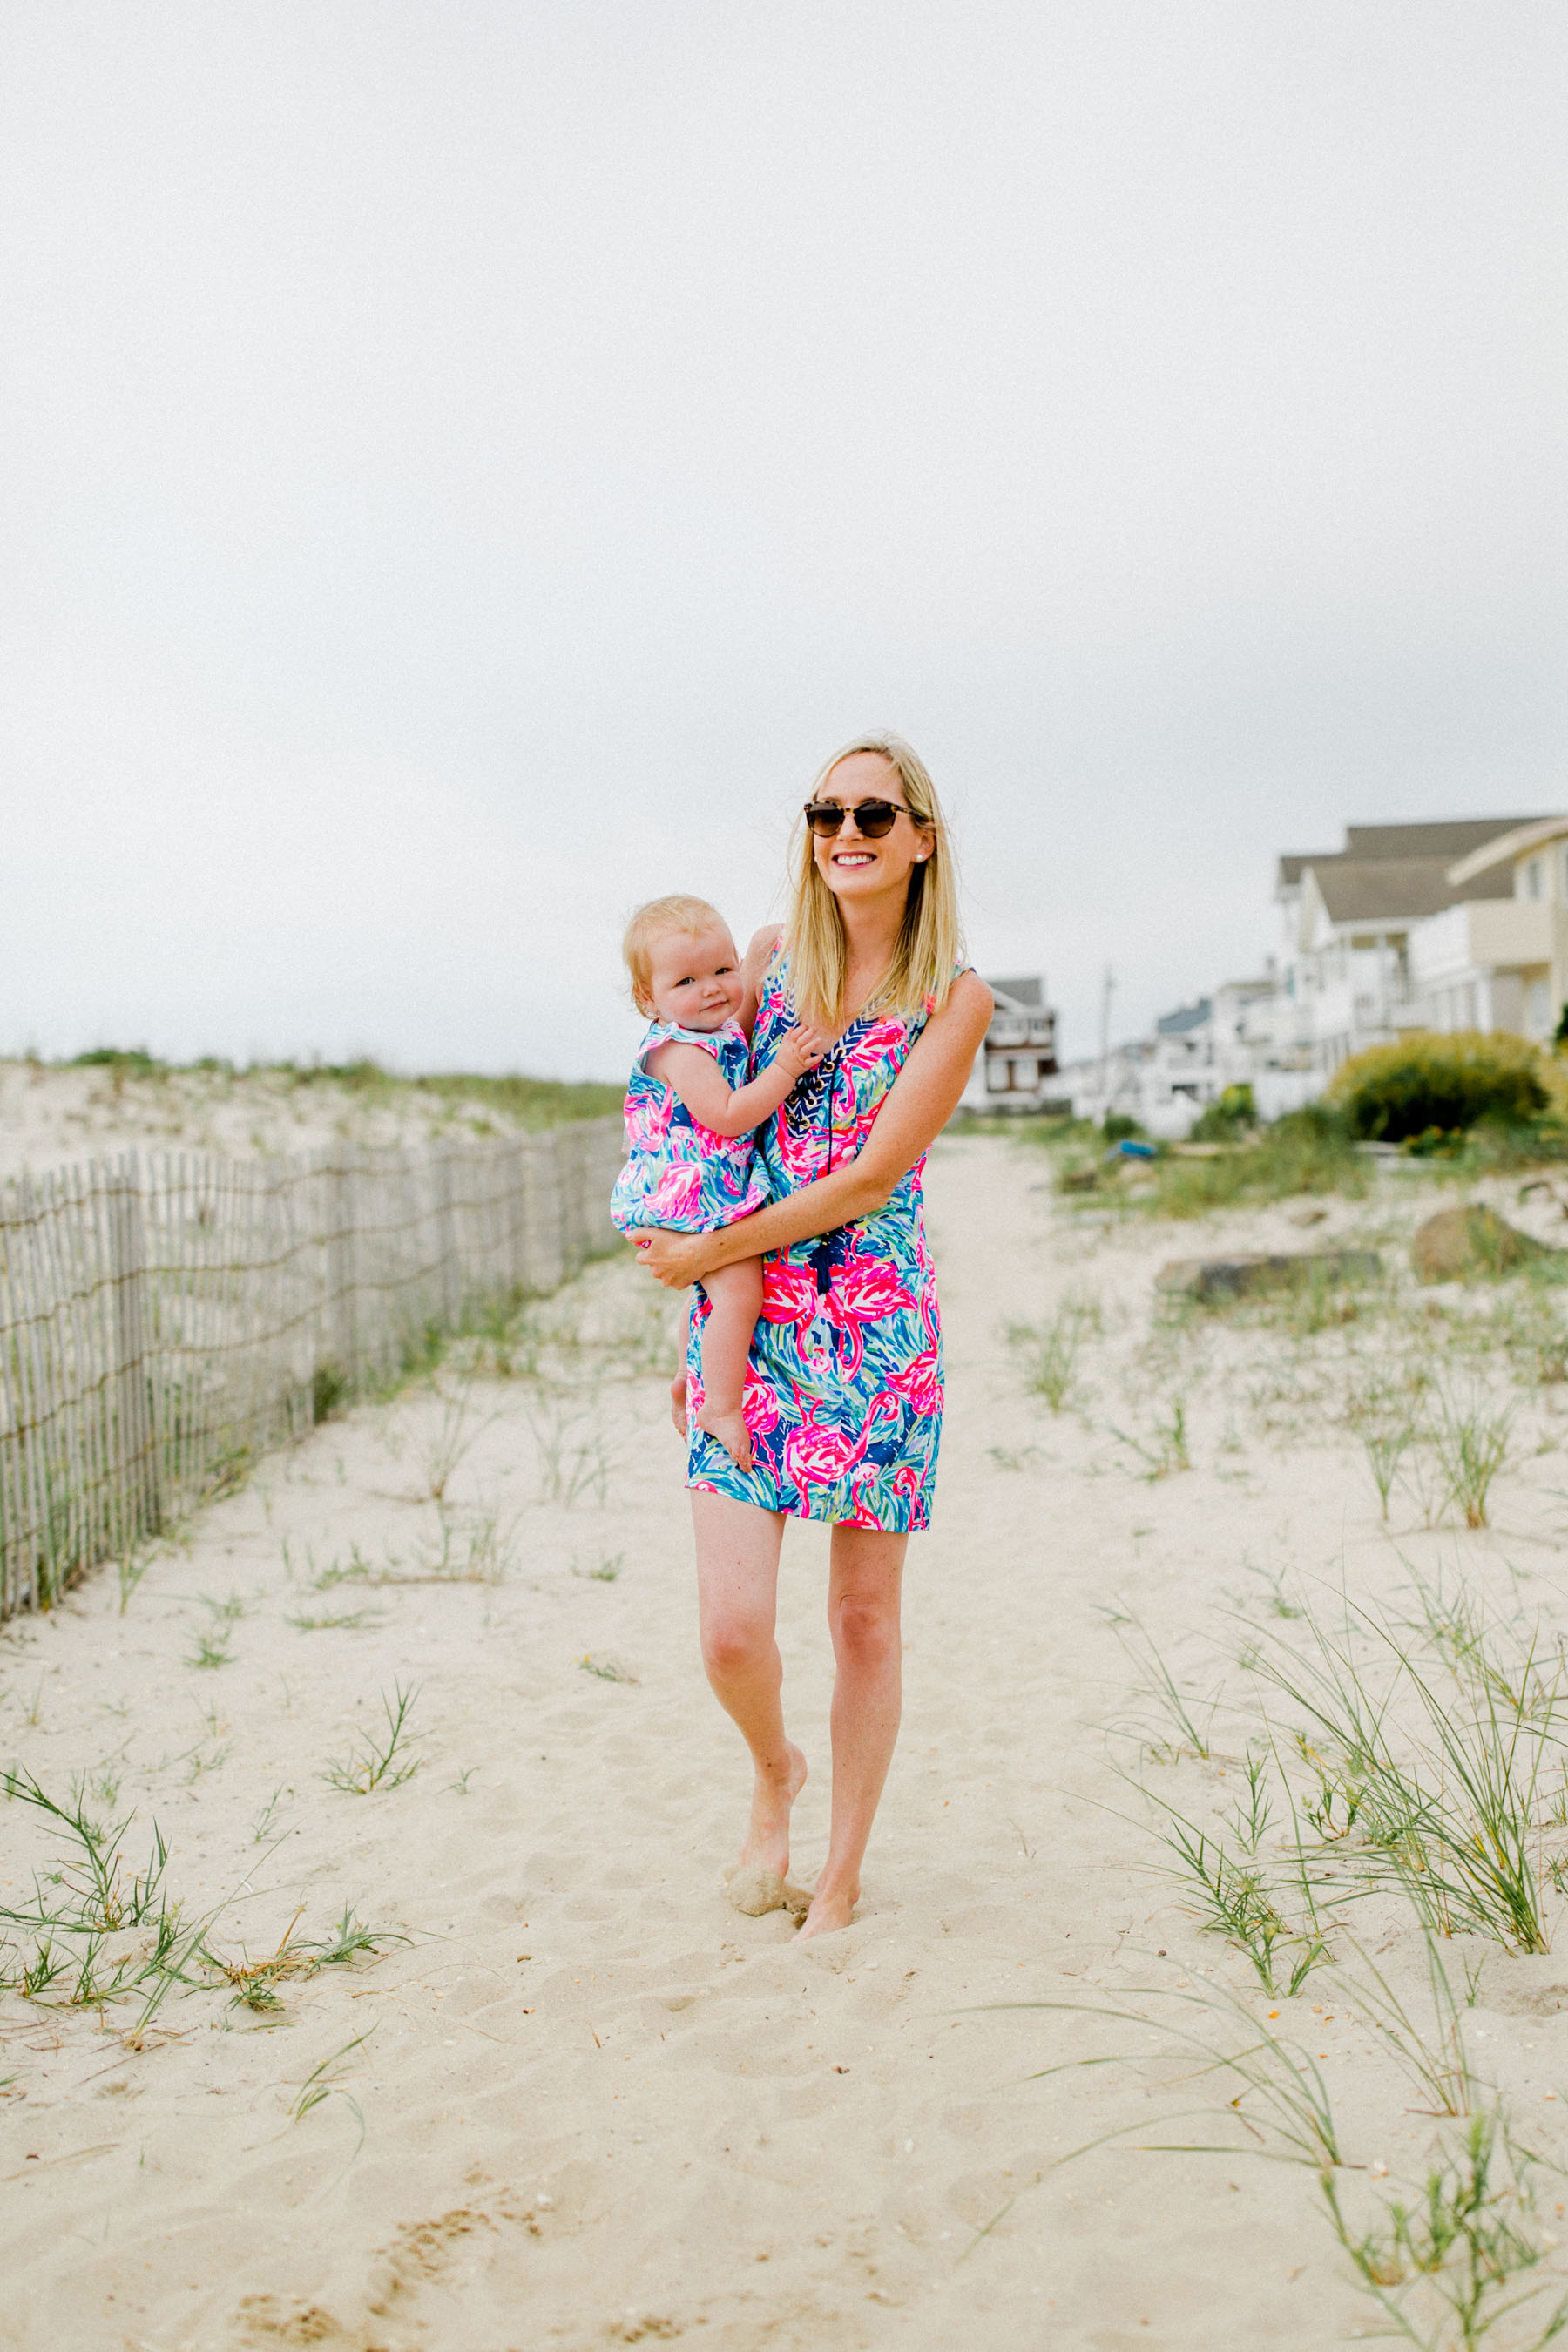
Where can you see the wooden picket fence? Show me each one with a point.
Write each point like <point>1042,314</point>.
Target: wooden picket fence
<point>165,1318</point>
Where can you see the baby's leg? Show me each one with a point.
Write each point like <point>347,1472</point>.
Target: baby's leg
<point>734,1303</point>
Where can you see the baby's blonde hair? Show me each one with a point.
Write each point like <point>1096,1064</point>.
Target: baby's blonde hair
<point>689,917</point>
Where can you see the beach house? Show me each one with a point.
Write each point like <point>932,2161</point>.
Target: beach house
<point>1508,956</point>
<point>1454,924</point>
<point>1016,1068</point>
<point>1402,929</point>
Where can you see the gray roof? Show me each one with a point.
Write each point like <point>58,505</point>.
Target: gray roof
<point>1190,1016</point>
<point>1398,890</point>
<point>1397,853</point>
<point>1450,837</point>
<point>1029,993</point>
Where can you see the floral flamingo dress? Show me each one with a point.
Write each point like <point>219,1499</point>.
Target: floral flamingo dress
<point>679,1173</point>
<point>844,1389</point>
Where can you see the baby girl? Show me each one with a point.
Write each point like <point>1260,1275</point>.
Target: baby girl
<point>690,1114</point>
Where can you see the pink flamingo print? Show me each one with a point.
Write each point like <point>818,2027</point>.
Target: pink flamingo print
<point>648,1123</point>
<point>918,1381</point>
<point>760,1407</point>
<point>789,1292</point>
<point>877,1041</point>
<point>865,1288</point>
<point>816,1455</point>
<point>679,1193</point>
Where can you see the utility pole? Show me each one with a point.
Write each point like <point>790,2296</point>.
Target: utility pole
<point>1106,987</point>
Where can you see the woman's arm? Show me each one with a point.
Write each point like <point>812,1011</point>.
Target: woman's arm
<point>920,1101</point>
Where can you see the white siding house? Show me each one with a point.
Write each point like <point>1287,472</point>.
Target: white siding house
<point>1015,1069</point>
<point>1457,924</point>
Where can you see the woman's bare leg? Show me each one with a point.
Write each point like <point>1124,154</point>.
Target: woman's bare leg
<point>677,1385</point>
<point>863,1598</point>
<point>737,1595</point>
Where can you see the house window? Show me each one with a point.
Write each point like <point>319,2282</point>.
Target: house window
<point>1534,877</point>
<point>1538,1007</point>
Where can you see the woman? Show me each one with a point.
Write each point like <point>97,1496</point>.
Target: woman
<point>844,1389</point>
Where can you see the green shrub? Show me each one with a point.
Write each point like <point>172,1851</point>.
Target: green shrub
<point>1429,1081</point>
<point>1223,1121</point>
<point>1117,1127</point>
<point>136,1063</point>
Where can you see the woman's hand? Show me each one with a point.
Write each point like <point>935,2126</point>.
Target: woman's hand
<point>677,1260</point>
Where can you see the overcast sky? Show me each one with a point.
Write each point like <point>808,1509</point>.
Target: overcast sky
<point>465,464</point>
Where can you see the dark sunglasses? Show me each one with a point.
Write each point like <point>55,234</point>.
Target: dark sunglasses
<point>873,818</point>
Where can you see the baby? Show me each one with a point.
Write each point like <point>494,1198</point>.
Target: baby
<point>691,1113</point>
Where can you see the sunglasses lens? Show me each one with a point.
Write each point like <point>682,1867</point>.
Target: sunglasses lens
<point>872,818</point>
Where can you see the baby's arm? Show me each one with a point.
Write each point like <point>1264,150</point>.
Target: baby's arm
<point>695,1077</point>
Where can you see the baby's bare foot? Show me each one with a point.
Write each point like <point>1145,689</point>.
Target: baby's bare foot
<point>678,1401</point>
<point>730,1429</point>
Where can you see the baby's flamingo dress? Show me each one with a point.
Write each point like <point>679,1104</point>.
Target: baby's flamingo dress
<point>844,1386</point>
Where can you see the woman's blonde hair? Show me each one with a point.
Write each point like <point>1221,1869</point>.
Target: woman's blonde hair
<point>929,945</point>
<point>657,920</point>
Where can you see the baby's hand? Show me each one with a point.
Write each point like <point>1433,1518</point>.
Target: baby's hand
<point>803,1047</point>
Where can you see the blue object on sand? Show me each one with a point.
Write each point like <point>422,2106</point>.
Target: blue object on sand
<point>1128,1150</point>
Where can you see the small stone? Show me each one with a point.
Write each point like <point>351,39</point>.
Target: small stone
<point>1255,1271</point>
<point>1458,1243</point>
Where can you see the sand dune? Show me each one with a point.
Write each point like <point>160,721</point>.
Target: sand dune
<point>51,1115</point>
<point>598,2106</point>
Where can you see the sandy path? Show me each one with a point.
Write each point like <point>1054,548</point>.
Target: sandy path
<point>599,2107</point>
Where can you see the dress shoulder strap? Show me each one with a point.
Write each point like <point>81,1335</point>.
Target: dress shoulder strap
<point>961,966</point>
<point>670,1033</point>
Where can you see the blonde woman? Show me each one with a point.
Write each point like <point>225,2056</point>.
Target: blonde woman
<point>844,1383</point>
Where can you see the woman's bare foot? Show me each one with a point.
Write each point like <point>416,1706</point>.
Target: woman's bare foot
<point>759,1882</point>
<point>678,1401</point>
<point>767,1833</point>
<point>730,1429</point>
<point>829,1911</point>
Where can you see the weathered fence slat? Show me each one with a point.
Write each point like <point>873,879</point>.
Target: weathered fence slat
<point>163,1320</point>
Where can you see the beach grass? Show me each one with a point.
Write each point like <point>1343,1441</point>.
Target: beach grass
<point>1050,1351</point>
<point>519,1100</point>
<point>380,1761</point>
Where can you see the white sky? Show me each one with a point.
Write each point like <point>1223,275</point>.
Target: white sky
<point>465,464</point>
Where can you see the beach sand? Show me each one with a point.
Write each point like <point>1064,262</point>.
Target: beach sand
<point>585,2102</point>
